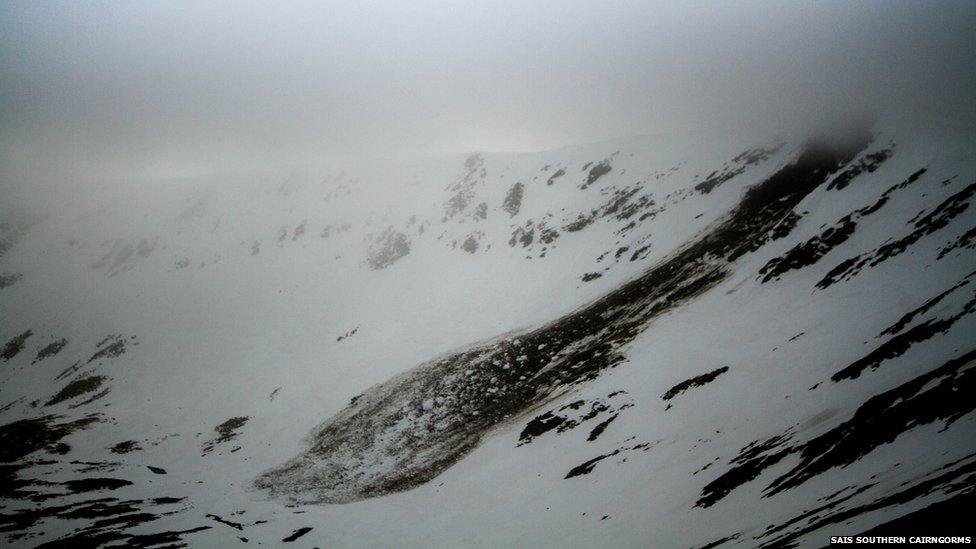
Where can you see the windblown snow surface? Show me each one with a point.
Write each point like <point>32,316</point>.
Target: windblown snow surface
<point>676,341</point>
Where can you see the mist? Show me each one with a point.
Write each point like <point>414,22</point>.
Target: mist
<point>556,273</point>
<point>156,90</point>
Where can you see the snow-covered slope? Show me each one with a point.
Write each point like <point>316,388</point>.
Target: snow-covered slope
<point>669,341</point>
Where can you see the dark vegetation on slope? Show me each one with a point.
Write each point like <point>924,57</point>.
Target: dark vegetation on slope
<point>297,534</point>
<point>15,345</point>
<point>123,255</point>
<point>527,234</point>
<point>388,247</point>
<point>868,164</point>
<point>965,241</point>
<point>924,308</point>
<point>596,172</point>
<point>348,334</point>
<point>513,200</point>
<point>809,252</point>
<point>574,414</point>
<point>587,467</point>
<point>899,344</point>
<point>470,244</point>
<point>555,175</point>
<point>938,219</point>
<point>7,280</point>
<point>51,349</point>
<point>112,346</point>
<point>719,541</point>
<point>125,447</point>
<point>95,484</point>
<point>77,388</point>
<point>403,433</point>
<point>105,519</point>
<point>696,381</point>
<point>226,431</point>
<point>98,534</point>
<point>832,501</point>
<point>952,517</point>
<point>463,187</point>
<point>232,524</point>
<point>747,158</point>
<point>950,479</point>
<point>26,436</point>
<point>621,205</point>
<point>942,394</point>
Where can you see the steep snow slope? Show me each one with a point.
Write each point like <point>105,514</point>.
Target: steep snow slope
<point>664,341</point>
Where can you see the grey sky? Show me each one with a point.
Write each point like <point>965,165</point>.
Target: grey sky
<point>158,89</point>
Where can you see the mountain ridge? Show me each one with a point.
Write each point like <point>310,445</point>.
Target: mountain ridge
<point>206,329</point>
